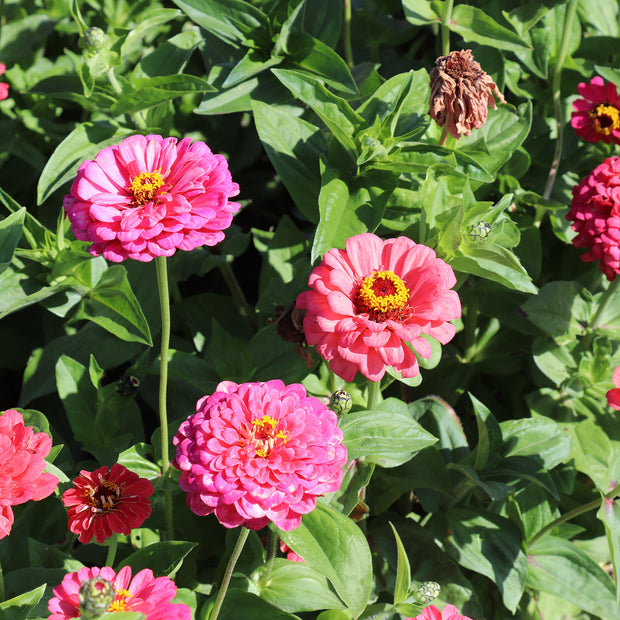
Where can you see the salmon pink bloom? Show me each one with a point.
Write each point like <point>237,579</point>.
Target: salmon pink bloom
<point>613,396</point>
<point>145,594</point>
<point>597,116</point>
<point>370,300</point>
<point>595,213</point>
<point>450,612</point>
<point>150,196</point>
<point>259,452</point>
<point>22,465</point>
<point>102,502</point>
<point>4,87</point>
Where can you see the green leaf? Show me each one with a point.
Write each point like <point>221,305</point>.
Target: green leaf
<point>489,434</point>
<point>403,571</point>
<point>19,607</point>
<point>11,229</point>
<point>169,57</point>
<point>420,12</point>
<point>609,514</point>
<point>149,20</point>
<point>333,545</point>
<point>383,437</point>
<point>333,614</point>
<point>139,459</point>
<point>240,604</point>
<point>163,558</point>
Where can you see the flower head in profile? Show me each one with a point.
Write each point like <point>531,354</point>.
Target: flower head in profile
<point>257,453</point>
<point>22,466</point>
<point>613,396</point>
<point>145,594</point>
<point>450,612</point>
<point>4,87</point>
<point>371,300</point>
<point>595,216</point>
<point>461,93</point>
<point>102,502</point>
<point>597,115</point>
<point>151,196</point>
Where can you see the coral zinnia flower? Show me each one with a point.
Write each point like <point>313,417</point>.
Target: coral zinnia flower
<point>259,452</point>
<point>461,93</point>
<point>595,213</point>
<point>597,115</point>
<point>371,299</point>
<point>22,465</point>
<point>144,593</point>
<point>149,196</point>
<point>102,502</point>
<point>4,87</point>
<point>450,612</point>
<point>613,396</point>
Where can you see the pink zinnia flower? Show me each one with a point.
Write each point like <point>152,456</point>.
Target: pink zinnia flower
<point>102,502</point>
<point>597,115</point>
<point>149,196</point>
<point>22,465</point>
<point>291,556</point>
<point>371,299</point>
<point>595,213</point>
<point>144,593</point>
<point>450,612</point>
<point>259,452</point>
<point>4,87</point>
<point>613,396</point>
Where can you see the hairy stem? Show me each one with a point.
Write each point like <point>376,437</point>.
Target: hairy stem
<point>374,394</point>
<point>346,33</point>
<point>445,31</point>
<point>112,546</point>
<point>605,299</point>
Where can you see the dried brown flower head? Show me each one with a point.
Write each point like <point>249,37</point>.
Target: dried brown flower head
<point>289,324</point>
<point>461,93</point>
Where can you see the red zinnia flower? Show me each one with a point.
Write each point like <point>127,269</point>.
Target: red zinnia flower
<point>595,213</point>
<point>144,593</point>
<point>613,396</point>
<point>450,612</point>
<point>597,115</point>
<point>371,299</point>
<point>102,503</point>
<point>4,87</point>
<point>22,465</point>
<point>149,196</point>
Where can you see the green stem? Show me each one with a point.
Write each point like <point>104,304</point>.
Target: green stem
<point>374,394</point>
<point>605,299</point>
<point>569,16</point>
<point>164,304</point>
<point>469,328</point>
<point>346,33</point>
<point>271,554</point>
<point>444,136</point>
<point>2,591</point>
<point>233,286</point>
<point>243,536</point>
<point>571,514</point>
<point>112,546</point>
<point>445,31</point>
<point>137,117</point>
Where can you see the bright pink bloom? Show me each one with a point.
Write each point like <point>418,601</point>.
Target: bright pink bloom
<point>613,396</point>
<point>144,593</point>
<point>371,299</point>
<point>291,556</point>
<point>597,115</point>
<point>102,502</point>
<point>259,452</point>
<point>450,612</point>
<point>149,196</point>
<point>4,87</point>
<point>595,213</point>
<point>22,465</point>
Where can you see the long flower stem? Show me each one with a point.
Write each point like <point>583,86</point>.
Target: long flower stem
<point>605,299</point>
<point>374,394</point>
<point>164,304</point>
<point>273,547</point>
<point>569,16</point>
<point>346,33</point>
<point>243,536</point>
<point>112,546</point>
<point>233,286</point>
<point>445,31</point>
<point>2,592</point>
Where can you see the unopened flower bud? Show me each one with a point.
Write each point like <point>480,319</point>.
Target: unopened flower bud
<point>94,38</point>
<point>479,231</point>
<point>96,596</point>
<point>340,402</point>
<point>426,592</point>
<point>127,385</point>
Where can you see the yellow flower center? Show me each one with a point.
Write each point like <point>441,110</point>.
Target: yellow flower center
<point>263,436</point>
<point>145,187</point>
<point>382,295</point>
<point>120,601</point>
<point>605,119</point>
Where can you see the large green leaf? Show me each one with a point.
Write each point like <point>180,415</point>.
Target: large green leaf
<point>241,604</point>
<point>11,229</point>
<point>18,607</point>
<point>163,558</point>
<point>403,571</point>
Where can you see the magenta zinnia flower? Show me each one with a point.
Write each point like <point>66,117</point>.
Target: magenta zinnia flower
<point>22,465</point>
<point>150,196</point>
<point>144,593</point>
<point>259,452</point>
<point>595,213</point>
<point>370,300</point>
<point>597,115</point>
<point>102,502</point>
<point>450,612</point>
<point>4,87</point>
<point>613,396</point>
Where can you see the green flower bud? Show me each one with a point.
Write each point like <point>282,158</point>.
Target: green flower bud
<point>479,231</point>
<point>426,592</point>
<point>94,38</point>
<point>96,596</point>
<point>340,402</point>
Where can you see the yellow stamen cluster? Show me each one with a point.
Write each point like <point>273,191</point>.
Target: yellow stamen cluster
<point>144,187</point>
<point>605,119</point>
<point>383,295</point>
<point>120,601</point>
<point>264,437</point>
<point>104,496</point>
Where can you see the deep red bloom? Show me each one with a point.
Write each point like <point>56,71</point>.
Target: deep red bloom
<point>102,503</point>
<point>371,299</point>
<point>22,465</point>
<point>597,116</point>
<point>144,593</point>
<point>613,396</point>
<point>595,213</point>
<point>450,612</point>
<point>4,87</point>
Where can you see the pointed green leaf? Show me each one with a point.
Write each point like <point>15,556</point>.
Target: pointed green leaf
<point>403,571</point>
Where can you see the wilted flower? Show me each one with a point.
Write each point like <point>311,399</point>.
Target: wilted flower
<point>450,612</point>
<point>595,213</point>
<point>259,452</point>
<point>597,115</point>
<point>461,93</point>
<point>102,502</point>
<point>4,87</point>
<point>613,396</point>
<point>22,465</point>
<point>144,594</point>
<point>149,196</point>
<point>370,300</point>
